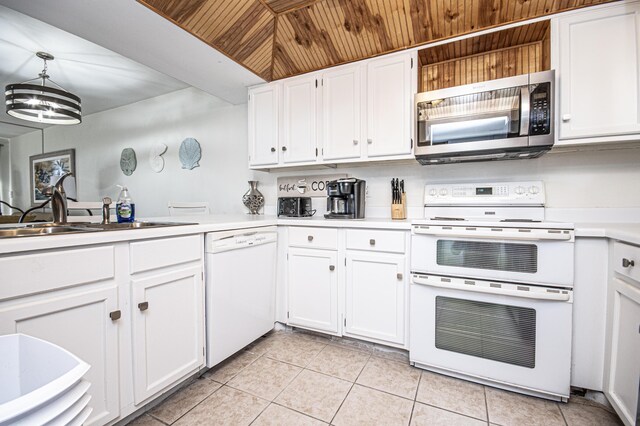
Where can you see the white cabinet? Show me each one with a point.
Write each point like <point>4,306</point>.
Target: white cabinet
<point>298,143</point>
<point>622,383</point>
<point>375,296</point>
<point>596,56</point>
<point>263,124</point>
<point>312,282</point>
<point>622,369</point>
<point>341,113</point>
<point>168,333</point>
<point>389,100</point>
<point>77,320</point>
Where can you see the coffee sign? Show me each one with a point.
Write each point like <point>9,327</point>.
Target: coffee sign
<point>305,186</point>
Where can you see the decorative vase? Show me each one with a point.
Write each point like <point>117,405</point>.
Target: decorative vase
<point>253,199</point>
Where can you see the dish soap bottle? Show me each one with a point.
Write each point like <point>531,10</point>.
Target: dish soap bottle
<point>125,208</point>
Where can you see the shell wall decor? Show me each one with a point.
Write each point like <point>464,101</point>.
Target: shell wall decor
<point>155,157</point>
<point>128,161</point>
<point>190,153</point>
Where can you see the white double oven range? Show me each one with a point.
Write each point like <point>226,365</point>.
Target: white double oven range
<point>491,288</point>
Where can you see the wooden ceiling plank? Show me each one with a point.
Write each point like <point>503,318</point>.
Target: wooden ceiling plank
<point>353,29</point>
<point>326,18</point>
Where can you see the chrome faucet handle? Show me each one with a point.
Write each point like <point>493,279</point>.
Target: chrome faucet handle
<point>59,184</point>
<point>106,214</point>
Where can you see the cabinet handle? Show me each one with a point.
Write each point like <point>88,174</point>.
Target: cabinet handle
<point>372,242</point>
<point>143,306</point>
<point>115,315</point>
<point>332,267</point>
<point>566,117</point>
<point>369,141</point>
<point>310,238</point>
<point>355,141</point>
<point>284,148</point>
<point>273,149</point>
<point>399,276</point>
<point>626,263</point>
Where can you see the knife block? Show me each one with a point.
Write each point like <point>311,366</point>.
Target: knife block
<point>399,210</point>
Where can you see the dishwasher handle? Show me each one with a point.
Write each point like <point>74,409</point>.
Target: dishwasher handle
<point>241,241</point>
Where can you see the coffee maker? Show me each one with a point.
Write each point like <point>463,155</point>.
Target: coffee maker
<point>345,199</point>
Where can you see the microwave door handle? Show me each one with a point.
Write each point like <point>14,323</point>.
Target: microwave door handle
<point>559,297</point>
<point>525,110</point>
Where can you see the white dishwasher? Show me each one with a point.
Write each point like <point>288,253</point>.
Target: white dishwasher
<point>240,281</point>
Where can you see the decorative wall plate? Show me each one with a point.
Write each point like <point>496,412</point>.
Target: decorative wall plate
<point>128,161</point>
<point>155,157</point>
<point>190,153</point>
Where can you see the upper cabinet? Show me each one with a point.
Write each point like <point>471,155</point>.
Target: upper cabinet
<point>596,56</point>
<point>298,142</point>
<point>342,113</point>
<point>351,113</point>
<point>263,125</point>
<point>389,106</point>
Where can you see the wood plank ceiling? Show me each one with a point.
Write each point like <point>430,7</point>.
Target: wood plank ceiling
<point>280,38</point>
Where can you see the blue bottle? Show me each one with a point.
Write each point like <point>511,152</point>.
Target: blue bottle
<point>125,208</point>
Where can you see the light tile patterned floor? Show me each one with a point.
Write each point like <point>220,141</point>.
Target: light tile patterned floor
<point>298,379</point>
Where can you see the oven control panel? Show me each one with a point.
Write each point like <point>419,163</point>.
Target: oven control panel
<point>529,193</point>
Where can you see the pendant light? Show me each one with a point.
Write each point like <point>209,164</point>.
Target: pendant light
<point>41,103</point>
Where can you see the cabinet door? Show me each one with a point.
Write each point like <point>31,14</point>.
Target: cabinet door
<point>167,328</point>
<point>299,121</point>
<point>263,125</point>
<point>79,322</point>
<point>375,299</point>
<point>623,382</point>
<point>312,281</point>
<point>341,113</point>
<point>389,98</point>
<point>598,72</point>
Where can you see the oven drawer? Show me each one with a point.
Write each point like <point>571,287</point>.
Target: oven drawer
<point>376,240</point>
<point>319,238</point>
<point>547,262</point>
<point>626,260</point>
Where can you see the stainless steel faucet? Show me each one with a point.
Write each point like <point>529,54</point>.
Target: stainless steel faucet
<point>59,201</point>
<point>106,214</point>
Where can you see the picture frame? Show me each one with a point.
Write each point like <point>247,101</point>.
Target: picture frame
<point>43,168</point>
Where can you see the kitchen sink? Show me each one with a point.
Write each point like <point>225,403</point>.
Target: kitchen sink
<point>38,229</point>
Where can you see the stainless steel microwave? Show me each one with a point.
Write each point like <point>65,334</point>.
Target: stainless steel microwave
<point>508,118</point>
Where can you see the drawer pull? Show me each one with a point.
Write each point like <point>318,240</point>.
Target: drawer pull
<point>355,141</point>
<point>626,263</point>
<point>332,267</point>
<point>284,148</point>
<point>273,149</point>
<point>399,276</point>
<point>310,238</point>
<point>115,315</point>
<point>372,242</point>
<point>143,306</point>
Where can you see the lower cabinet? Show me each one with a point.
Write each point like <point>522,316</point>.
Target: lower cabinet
<point>77,320</point>
<point>313,289</point>
<point>167,329</point>
<point>622,378</point>
<point>375,296</point>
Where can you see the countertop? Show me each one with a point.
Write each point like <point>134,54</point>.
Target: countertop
<point>627,232</point>
<point>211,223</point>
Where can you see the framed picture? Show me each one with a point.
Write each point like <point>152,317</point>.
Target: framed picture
<point>47,168</point>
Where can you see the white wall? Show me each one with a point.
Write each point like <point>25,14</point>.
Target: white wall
<point>221,129</point>
<point>5,173</point>
<point>590,179</point>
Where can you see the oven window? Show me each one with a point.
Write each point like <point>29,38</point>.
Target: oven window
<point>487,330</point>
<point>512,257</point>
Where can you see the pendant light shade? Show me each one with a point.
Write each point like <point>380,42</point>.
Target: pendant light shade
<point>42,103</point>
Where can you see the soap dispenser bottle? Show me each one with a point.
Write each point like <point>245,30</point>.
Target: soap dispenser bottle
<point>125,208</point>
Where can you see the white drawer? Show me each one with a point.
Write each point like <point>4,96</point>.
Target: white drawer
<point>626,260</point>
<point>42,271</point>
<point>320,238</point>
<point>376,240</point>
<point>154,254</point>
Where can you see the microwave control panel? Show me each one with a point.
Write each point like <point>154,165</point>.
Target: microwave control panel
<point>540,115</point>
<point>509,193</point>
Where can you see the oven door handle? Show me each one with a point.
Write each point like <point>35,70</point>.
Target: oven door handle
<point>559,297</point>
<point>496,233</point>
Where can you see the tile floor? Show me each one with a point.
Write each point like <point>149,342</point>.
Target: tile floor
<point>296,378</point>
